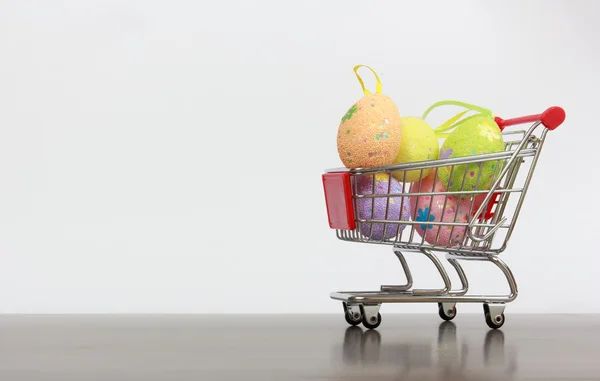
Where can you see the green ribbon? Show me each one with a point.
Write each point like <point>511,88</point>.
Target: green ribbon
<point>455,121</point>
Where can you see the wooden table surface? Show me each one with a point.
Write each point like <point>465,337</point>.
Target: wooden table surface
<point>297,347</point>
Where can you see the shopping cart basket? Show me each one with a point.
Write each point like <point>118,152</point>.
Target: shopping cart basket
<point>488,227</point>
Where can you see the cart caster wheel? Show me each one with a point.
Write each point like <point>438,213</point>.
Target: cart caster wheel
<point>496,322</point>
<point>352,314</point>
<point>494,318</point>
<point>353,318</point>
<point>447,311</point>
<point>373,322</point>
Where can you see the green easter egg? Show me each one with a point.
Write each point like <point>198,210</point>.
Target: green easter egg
<point>477,135</point>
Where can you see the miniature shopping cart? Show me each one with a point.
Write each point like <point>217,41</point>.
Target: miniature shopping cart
<point>487,230</point>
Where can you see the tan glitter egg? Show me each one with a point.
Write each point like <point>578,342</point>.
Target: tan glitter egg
<point>370,132</point>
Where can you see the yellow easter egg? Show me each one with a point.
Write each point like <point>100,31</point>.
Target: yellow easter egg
<point>418,143</point>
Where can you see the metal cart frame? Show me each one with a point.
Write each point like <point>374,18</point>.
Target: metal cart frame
<point>482,240</point>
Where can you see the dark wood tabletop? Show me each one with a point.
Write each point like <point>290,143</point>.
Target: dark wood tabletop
<point>297,347</point>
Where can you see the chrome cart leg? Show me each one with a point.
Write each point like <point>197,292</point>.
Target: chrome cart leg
<point>512,283</point>
<point>447,310</point>
<point>462,276</point>
<point>443,274</point>
<point>494,312</point>
<point>407,273</point>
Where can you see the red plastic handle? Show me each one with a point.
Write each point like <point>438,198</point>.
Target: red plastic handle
<point>551,118</point>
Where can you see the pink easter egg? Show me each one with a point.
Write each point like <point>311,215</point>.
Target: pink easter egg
<point>425,209</point>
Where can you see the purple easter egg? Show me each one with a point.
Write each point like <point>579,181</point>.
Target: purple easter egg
<point>375,208</point>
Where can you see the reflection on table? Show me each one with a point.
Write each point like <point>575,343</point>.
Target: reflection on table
<point>447,356</point>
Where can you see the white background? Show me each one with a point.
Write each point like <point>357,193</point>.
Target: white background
<point>166,156</point>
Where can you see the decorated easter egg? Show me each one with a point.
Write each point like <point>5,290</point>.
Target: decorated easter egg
<point>477,135</point>
<point>442,208</point>
<point>381,208</point>
<point>418,143</point>
<point>369,133</point>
